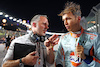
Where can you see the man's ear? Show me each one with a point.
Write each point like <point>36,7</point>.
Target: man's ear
<point>79,18</point>
<point>34,24</point>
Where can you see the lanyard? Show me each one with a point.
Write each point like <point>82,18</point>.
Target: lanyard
<point>39,51</point>
<point>76,43</point>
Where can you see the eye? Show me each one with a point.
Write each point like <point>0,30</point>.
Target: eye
<point>44,23</point>
<point>68,18</point>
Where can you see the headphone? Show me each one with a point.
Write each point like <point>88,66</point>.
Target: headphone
<point>37,38</point>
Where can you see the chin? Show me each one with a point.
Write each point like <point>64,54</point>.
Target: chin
<point>42,34</point>
<point>68,30</point>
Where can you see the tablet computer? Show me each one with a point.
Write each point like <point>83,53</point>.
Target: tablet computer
<point>21,50</point>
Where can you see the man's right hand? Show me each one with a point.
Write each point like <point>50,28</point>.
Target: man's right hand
<point>30,59</point>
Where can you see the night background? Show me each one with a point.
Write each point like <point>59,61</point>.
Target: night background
<point>26,9</point>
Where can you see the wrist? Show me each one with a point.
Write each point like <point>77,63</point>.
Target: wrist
<point>84,57</point>
<point>88,59</point>
<point>49,49</point>
<point>20,62</point>
<point>23,60</point>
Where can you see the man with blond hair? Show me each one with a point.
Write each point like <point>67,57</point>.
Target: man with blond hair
<point>78,47</point>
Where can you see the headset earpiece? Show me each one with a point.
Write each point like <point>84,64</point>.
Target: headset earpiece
<point>37,38</point>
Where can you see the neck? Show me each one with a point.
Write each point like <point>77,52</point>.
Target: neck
<point>76,35</point>
<point>77,29</point>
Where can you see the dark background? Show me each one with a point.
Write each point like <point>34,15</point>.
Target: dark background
<point>26,9</point>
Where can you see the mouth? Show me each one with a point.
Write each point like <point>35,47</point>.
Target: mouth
<point>44,30</point>
<point>67,27</point>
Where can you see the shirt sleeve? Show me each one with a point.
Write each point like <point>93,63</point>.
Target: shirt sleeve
<point>96,58</point>
<point>44,56</point>
<point>9,54</point>
<point>59,55</point>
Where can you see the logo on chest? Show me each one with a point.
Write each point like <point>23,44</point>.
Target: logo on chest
<point>76,61</point>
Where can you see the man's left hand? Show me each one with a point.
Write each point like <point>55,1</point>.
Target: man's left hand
<point>80,51</point>
<point>51,41</point>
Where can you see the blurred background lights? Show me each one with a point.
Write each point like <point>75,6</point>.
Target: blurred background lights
<point>18,21</point>
<point>24,21</point>
<point>4,24</point>
<point>17,24</point>
<point>1,13</point>
<point>10,17</point>
<point>27,21</point>
<point>6,15</point>
<point>14,19</point>
<point>11,24</point>
<point>4,20</point>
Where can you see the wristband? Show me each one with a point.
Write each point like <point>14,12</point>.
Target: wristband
<point>88,59</point>
<point>20,63</point>
<point>20,60</point>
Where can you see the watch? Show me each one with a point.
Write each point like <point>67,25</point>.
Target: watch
<point>20,60</point>
<point>20,63</point>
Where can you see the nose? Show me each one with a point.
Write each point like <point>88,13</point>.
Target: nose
<point>65,22</point>
<point>46,27</point>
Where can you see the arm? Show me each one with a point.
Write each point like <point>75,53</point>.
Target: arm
<point>91,60</point>
<point>59,58</point>
<point>28,60</point>
<point>96,58</point>
<point>11,63</point>
<point>50,54</point>
<point>53,40</point>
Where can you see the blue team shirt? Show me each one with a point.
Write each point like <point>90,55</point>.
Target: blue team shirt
<point>66,50</point>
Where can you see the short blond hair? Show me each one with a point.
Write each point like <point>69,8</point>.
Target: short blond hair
<point>71,7</point>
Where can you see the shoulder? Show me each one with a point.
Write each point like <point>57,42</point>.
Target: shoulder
<point>92,35</point>
<point>22,39</point>
<point>65,35</point>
